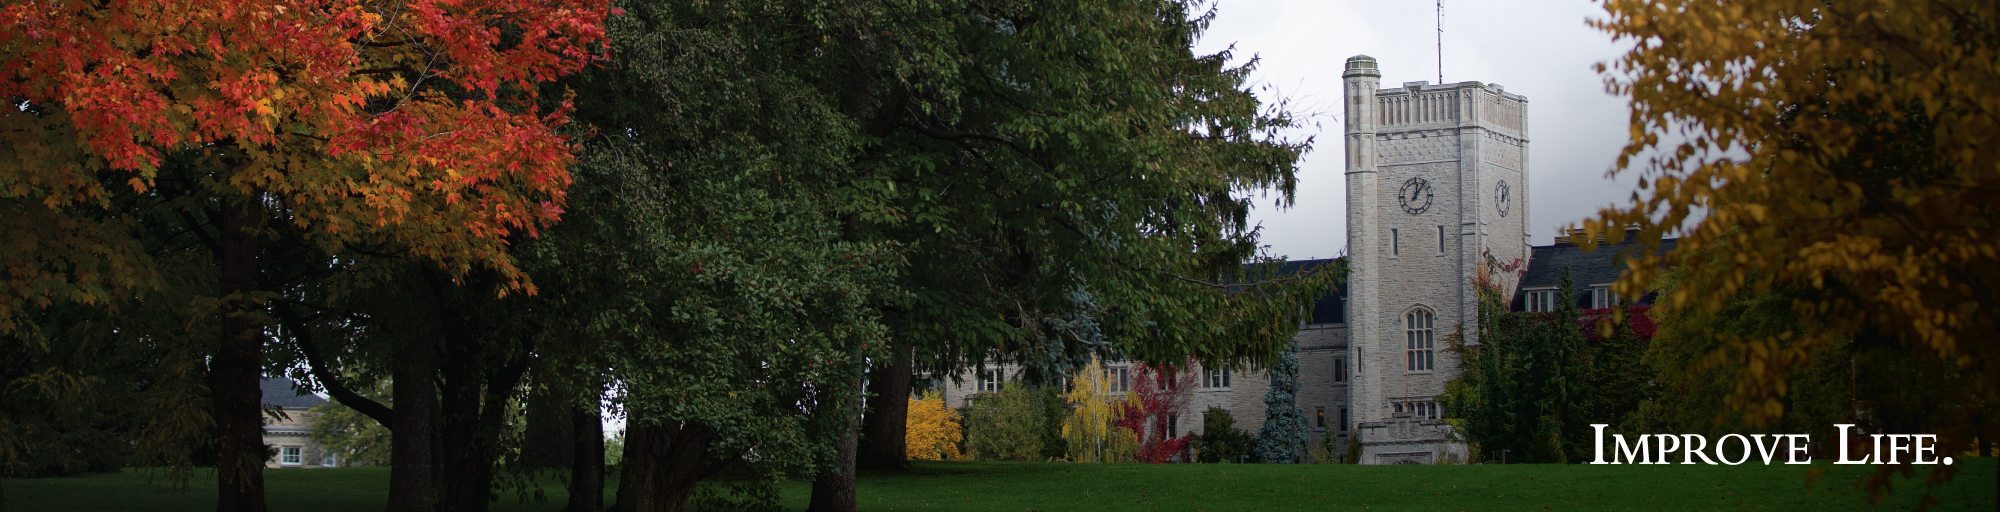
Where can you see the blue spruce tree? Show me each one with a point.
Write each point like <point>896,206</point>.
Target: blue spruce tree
<point>1283,438</point>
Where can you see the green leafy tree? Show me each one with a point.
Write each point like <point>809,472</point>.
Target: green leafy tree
<point>709,255</point>
<point>1537,380</point>
<point>356,438</point>
<point>1058,207</point>
<point>1518,386</point>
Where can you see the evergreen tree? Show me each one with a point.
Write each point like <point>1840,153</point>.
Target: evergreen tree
<point>1284,434</point>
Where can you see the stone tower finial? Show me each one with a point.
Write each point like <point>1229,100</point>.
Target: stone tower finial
<point>1361,65</point>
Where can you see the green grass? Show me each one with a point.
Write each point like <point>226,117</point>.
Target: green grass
<point>1189,487</point>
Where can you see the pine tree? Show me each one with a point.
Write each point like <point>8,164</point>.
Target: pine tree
<point>1284,434</point>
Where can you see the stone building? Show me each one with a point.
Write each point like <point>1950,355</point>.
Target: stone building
<point>290,433</point>
<point>1436,181</point>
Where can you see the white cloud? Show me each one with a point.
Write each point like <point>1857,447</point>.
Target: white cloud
<point>1539,49</point>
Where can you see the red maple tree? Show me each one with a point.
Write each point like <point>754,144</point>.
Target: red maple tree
<point>413,124</point>
<point>1163,394</point>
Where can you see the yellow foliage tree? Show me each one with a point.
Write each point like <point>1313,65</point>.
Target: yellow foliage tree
<point>1095,402</point>
<point>934,430</point>
<point>1843,150</point>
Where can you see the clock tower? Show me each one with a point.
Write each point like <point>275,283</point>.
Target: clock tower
<point>1436,179</point>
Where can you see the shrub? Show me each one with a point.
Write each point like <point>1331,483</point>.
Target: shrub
<point>1220,440</point>
<point>933,429</point>
<point>1007,425</point>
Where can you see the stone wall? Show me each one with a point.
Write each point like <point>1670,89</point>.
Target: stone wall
<point>294,430</point>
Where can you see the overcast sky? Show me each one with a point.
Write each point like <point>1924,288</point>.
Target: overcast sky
<point>1536,48</point>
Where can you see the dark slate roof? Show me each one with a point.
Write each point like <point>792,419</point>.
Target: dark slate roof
<point>1328,308</point>
<point>1545,268</point>
<point>278,391</point>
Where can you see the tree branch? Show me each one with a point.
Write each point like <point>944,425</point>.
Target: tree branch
<point>316,362</point>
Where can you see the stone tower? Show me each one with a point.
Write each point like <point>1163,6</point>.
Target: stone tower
<point>1436,178</point>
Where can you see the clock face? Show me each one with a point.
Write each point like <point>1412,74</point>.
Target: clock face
<point>1415,196</point>
<point>1501,196</point>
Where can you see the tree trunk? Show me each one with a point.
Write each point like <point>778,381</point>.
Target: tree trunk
<point>238,362</point>
<point>833,489</point>
<point>475,405</point>
<point>460,472</point>
<point>662,466</point>
<point>884,429</point>
<point>551,434</point>
<point>412,462</point>
<point>586,474</point>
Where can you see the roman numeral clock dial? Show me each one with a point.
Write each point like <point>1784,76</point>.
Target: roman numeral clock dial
<point>1415,196</point>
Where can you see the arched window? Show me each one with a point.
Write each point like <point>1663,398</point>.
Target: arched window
<point>1421,339</point>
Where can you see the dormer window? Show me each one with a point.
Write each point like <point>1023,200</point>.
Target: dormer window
<point>1541,300</point>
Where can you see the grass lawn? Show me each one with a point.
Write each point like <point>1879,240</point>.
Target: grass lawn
<point>1190,487</point>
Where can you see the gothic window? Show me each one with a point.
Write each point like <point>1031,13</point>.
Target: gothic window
<point>1420,340</point>
<point>1217,377</point>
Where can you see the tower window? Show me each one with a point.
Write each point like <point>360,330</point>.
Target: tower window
<point>1395,243</point>
<point>1440,240</point>
<point>1419,340</point>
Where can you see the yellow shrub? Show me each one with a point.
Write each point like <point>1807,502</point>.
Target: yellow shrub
<point>934,430</point>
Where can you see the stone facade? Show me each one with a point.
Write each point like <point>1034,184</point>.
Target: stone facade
<point>290,433</point>
<point>293,433</point>
<point>1436,181</point>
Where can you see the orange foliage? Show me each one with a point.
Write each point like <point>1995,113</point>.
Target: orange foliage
<point>412,120</point>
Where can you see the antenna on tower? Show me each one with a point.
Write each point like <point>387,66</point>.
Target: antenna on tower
<point>1440,26</point>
